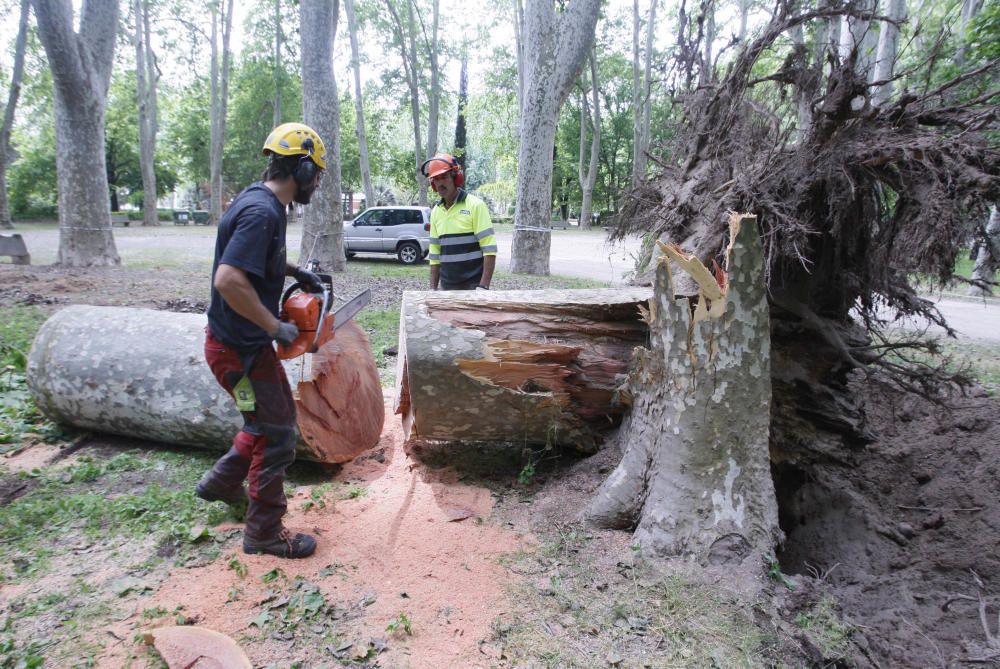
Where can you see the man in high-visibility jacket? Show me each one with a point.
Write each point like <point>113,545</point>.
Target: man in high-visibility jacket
<point>463,248</point>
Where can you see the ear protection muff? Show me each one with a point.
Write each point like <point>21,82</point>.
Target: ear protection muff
<point>305,171</point>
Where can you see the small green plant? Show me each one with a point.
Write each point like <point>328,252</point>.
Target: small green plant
<point>273,575</point>
<point>317,497</point>
<point>400,625</point>
<point>527,473</point>
<point>353,491</point>
<point>774,572</point>
<point>238,567</point>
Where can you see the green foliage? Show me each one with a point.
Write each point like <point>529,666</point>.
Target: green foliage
<point>133,495</point>
<point>400,625</point>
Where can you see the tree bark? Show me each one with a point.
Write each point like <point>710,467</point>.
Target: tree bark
<point>220,100</point>
<point>461,136</point>
<point>988,259</point>
<point>81,72</point>
<point>695,477</point>
<point>276,119</point>
<point>555,47</point>
<point>405,36</point>
<point>17,73</point>
<point>359,107</point>
<point>323,222</point>
<point>888,47</point>
<point>531,367</point>
<point>145,83</point>
<point>588,179</point>
<point>157,386</point>
<point>434,97</point>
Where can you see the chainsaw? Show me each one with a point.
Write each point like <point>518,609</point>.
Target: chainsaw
<point>314,316</point>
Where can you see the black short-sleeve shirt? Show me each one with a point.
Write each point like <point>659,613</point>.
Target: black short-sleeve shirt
<point>251,237</point>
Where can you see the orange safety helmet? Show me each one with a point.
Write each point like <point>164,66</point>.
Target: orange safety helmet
<point>440,164</point>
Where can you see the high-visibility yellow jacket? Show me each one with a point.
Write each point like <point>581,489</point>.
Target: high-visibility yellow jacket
<point>460,236</point>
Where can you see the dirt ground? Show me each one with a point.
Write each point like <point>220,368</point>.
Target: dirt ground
<point>901,537</point>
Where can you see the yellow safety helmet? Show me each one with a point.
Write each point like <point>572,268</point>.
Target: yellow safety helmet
<point>296,139</point>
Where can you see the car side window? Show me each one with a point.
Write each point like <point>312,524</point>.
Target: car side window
<point>413,217</point>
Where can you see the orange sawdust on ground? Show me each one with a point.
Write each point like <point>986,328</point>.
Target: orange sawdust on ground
<point>400,537</point>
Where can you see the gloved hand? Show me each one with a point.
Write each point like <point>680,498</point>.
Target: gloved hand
<point>286,333</point>
<point>310,282</point>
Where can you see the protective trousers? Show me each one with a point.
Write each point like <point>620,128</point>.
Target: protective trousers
<point>265,446</point>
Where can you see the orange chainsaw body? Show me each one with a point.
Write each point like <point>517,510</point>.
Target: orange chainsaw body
<point>305,309</point>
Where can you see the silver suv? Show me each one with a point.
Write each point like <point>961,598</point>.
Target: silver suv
<point>404,231</point>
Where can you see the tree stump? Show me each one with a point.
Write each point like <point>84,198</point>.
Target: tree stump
<point>523,366</point>
<point>695,476</point>
<point>142,373</point>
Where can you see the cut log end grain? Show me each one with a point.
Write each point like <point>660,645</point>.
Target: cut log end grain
<point>197,648</point>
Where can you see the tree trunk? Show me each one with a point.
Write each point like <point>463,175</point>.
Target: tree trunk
<point>8,116</point>
<point>220,101</point>
<point>970,8</point>
<point>647,88</point>
<point>157,385</point>
<point>695,477</point>
<point>588,180</point>
<point>323,221</point>
<point>359,107</point>
<point>888,46</point>
<point>461,136</point>
<point>530,367</point>
<point>707,68</point>
<point>145,83</point>
<point>434,98</point>
<point>81,71</point>
<point>636,97</point>
<point>555,47</point>
<point>988,259</point>
<point>276,119</point>
<point>406,41</point>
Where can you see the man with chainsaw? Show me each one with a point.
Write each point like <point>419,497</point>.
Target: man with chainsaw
<point>248,276</point>
<point>463,248</point>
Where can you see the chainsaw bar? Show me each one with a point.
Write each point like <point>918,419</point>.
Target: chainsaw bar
<point>349,309</point>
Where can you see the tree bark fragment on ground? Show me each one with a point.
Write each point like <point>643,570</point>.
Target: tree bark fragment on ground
<point>141,373</point>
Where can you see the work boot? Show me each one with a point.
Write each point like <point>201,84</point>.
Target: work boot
<point>284,545</point>
<point>236,499</point>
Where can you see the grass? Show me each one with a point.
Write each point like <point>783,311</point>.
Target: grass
<point>382,328</point>
<point>632,614</point>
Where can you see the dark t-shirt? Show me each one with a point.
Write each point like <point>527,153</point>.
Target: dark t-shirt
<point>251,237</point>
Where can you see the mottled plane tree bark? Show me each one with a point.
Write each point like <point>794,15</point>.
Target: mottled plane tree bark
<point>323,223</point>
<point>592,117</point>
<point>146,78</point>
<point>555,46</point>
<point>17,73</point>
<point>359,106</point>
<point>222,26</point>
<point>81,73</point>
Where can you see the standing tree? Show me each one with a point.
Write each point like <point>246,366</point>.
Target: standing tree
<point>81,72</point>
<point>222,22</point>
<point>278,72</point>
<point>323,224</point>
<point>642,86</point>
<point>146,76</point>
<point>461,135</point>
<point>555,47</point>
<point>406,40</point>
<point>589,178</point>
<point>8,114</point>
<point>434,96</point>
<point>359,106</point>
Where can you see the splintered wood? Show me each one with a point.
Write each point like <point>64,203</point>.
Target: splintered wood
<point>527,367</point>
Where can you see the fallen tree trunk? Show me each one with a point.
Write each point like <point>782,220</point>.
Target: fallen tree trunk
<point>142,373</point>
<point>529,367</point>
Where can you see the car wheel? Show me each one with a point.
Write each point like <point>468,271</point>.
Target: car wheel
<point>409,253</point>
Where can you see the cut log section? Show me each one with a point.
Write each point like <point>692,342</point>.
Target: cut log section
<point>522,366</point>
<point>142,373</point>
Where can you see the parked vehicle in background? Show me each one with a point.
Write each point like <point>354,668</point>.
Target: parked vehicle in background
<point>403,231</point>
